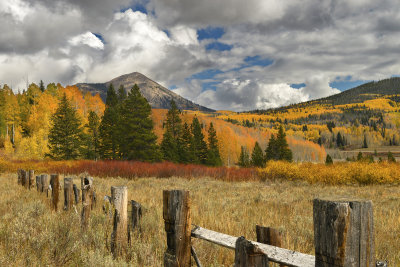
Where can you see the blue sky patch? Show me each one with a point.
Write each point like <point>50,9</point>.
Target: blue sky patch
<point>218,46</point>
<point>98,35</point>
<point>297,85</point>
<point>346,83</point>
<point>141,7</point>
<point>210,33</point>
<point>258,61</point>
<point>206,74</point>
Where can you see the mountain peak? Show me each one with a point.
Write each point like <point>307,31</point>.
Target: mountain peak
<point>157,95</point>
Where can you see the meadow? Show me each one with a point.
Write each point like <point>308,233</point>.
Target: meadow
<point>32,234</point>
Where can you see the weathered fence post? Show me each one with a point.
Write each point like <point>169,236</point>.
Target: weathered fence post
<point>248,254</point>
<point>38,183</point>
<point>269,236</point>
<point>44,184</point>
<point>31,181</point>
<point>86,205</point>
<point>176,214</point>
<point>343,233</point>
<point>119,236</point>
<point>89,181</point>
<point>55,190</point>
<point>68,193</point>
<point>25,179</point>
<point>19,176</point>
<point>76,194</point>
<point>136,215</point>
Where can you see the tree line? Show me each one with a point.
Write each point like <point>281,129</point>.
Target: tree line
<point>125,132</point>
<point>277,149</point>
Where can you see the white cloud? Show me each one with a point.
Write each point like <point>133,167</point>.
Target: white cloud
<point>87,38</point>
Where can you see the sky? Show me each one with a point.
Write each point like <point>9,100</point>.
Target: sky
<point>226,54</point>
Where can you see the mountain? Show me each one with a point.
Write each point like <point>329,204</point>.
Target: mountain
<point>158,96</point>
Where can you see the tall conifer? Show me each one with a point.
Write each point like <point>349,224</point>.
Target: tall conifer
<point>109,128</point>
<point>186,152</point>
<point>66,132</point>
<point>199,145</point>
<point>257,157</point>
<point>171,143</point>
<point>213,156</point>
<point>139,140</point>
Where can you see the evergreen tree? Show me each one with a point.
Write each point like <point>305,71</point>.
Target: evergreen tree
<point>199,145</point>
<point>92,137</point>
<point>365,144</point>
<point>109,127</point>
<point>186,152</point>
<point>328,160</point>
<point>121,94</point>
<point>339,140</point>
<point>171,143</point>
<point>139,140</point>
<point>359,156</point>
<point>257,157</point>
<point>271,150</point>
<point>244,158</point>
<point>283,150</point>
<point>213,156</point>
<point>66,133</point>
<point>41,86</point>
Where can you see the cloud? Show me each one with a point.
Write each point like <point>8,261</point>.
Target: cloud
<point>310,42</point>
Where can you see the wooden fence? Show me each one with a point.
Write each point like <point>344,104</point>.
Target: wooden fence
<point>343,229</point>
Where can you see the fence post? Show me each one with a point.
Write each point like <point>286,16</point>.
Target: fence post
<point>343,233</point>
<point>44,184</point>
<point>76,194</point>
<point>119,236</point>
<point>68,193</point>
<point>55,190</point>
<point>136,215</point>
<point>38,183</point>
<point>176,214</point>
<point>248,254</point>
<point>269,236</point>
<point>88,181</point>
<point>31,180</point>
<point>86,205</point>
<point>19,176</point>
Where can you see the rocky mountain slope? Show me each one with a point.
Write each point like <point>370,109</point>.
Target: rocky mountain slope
<point>157,95</point>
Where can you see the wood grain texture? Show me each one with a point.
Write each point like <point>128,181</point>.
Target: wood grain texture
<point>68,193</point>
<point>248,254</point>
<point>344,233</point>
<point>177,219</point>
<point>55,190</point>
<point>119,236</point>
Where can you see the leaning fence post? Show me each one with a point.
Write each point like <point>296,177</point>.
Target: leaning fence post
<point>55,190</point>
<point>119,236</point>
<point>31,182</point>
<point>248,254</point>
<point>343,233</point>
<point>89,181</point>
<point>68,193</point>
<point>269,236</point>
<point>176,214</point>
<point>136,215</point>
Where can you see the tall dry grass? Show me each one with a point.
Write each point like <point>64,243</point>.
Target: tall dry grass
<point>32,234</point>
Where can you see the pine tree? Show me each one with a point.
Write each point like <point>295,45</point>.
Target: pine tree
<point>199,145</point>
<point>109,127</point>
<point>271,150</point>
<point>365,144</point>
<point>391,158</point>
<point>244,158</point>
<point>139,140</point>
<point>121,94</point>
<point>283,150</point>
<point>328,160</point>
<point>92,137</point>
<point>186,152</point>
<point>66,132</point>
<point>41,86</point>
<point>257,157</point>
<point>171,143</point>
<point>339,140</point>
<point>213,155</point>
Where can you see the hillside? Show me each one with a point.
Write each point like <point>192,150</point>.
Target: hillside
<point>157,95</point>
<point>366,116</point>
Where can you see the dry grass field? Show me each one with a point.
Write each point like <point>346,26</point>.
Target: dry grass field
<point>31,234</point>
